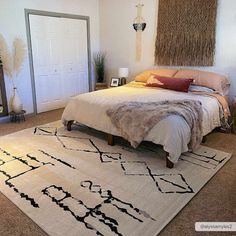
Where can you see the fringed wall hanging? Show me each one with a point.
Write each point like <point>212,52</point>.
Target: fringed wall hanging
<point>139,26</point>
<point>186,32</point>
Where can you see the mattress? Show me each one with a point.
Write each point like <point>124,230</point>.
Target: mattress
<point>173,133</point>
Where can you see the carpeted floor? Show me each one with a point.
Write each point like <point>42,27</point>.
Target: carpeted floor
<point>215,202</point>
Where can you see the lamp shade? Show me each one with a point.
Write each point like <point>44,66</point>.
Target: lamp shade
<point>123,72</point>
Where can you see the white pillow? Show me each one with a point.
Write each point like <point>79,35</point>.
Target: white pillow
<point>198,88</point>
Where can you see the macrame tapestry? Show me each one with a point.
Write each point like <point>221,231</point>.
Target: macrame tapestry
<point>186,32</point>
<point>139,26</point>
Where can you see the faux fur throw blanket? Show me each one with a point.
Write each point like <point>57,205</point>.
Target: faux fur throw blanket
<point>135,119</point>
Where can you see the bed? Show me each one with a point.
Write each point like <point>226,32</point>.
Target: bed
<point>173,133</point>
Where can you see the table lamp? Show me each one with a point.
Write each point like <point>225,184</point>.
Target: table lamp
<point>123,74</point>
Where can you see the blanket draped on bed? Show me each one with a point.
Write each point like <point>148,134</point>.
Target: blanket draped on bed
<point>134,120</point>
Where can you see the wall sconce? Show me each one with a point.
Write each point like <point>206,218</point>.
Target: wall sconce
<point>123,74</point>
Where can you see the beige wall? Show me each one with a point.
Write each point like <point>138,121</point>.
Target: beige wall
<point>112,20</point>
<point>12,24</point>
<point>117,37</point>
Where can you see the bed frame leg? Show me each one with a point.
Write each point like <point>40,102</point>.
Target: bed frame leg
<point>204,139</point>
<point>69,124</point>
<point>110,139</point>
<point>169,164</point>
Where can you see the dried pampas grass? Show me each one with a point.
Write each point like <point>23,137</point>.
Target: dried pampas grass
<point>12,63</point>
<point>6,57</point>
<point>18,55</point>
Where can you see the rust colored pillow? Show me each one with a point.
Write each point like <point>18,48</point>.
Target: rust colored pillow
<point>177,84</point>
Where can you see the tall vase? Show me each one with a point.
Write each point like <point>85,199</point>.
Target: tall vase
<point>16,104</point>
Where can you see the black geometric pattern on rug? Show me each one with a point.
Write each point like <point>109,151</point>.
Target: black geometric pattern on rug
<point>57,159</point>
<point>159,179</point>
<point>205,160</point>
<point>24,162</point>
<point>202,159</point>
<point>165,183</point>
<point>7,159</point>
<point>61,198</point>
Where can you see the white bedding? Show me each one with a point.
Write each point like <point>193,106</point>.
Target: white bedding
<point>173,132</point>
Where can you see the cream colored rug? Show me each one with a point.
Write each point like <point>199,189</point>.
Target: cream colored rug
<point>73,183</point>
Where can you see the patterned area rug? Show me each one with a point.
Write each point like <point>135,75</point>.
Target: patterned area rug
<point>73,183</point>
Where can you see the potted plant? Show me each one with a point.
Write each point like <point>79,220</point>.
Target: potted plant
<point>99,65</point>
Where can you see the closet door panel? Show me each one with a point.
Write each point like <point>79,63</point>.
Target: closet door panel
<point>83,85</point>
<point>75,54</point>
<point>46,61</point>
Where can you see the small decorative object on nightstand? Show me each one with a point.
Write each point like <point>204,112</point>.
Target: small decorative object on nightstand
<point>123,74</point>
<point>17,117</point>
<point>115,82</point>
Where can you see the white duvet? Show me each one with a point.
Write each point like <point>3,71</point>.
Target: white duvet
<point>173,133</point>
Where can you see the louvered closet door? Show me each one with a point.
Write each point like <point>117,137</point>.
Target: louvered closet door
<point>60,60</point>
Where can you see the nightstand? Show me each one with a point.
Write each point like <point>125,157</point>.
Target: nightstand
<point>100,86</point>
